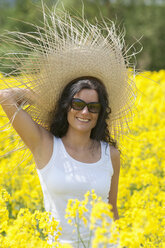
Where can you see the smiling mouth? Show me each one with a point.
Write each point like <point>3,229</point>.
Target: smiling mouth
<point>82,120</point>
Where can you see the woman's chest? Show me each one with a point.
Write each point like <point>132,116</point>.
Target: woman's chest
<point>77,180</point>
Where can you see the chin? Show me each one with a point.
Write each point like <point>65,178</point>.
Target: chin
<point>84,130</point>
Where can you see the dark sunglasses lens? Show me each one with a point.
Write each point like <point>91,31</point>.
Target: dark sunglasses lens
<point>94,107</point>
<point>77,104</point>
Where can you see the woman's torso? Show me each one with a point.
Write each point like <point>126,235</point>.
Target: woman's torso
<point>65,178</point>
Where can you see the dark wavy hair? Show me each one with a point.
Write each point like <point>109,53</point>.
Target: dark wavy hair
<point>59,125</point>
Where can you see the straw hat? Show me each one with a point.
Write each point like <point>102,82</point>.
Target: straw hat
<point>66,48</point>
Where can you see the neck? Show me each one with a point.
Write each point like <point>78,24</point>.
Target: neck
<point>77,140</point>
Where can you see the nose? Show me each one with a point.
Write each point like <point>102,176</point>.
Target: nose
<point>85,110</point>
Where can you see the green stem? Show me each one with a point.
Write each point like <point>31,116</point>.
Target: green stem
<point>89,241</point>
<point>79,236</point>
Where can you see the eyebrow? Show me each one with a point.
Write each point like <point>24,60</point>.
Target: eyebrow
<point>83,100</point>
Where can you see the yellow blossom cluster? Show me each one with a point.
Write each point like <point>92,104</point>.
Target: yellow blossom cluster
<point>101,229</point>
<point>141,197</point>
<point>141,193</point>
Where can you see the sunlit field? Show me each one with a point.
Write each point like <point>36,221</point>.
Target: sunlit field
<point>141,195</point>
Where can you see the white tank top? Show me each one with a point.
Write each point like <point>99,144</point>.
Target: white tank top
<point>65,178</point>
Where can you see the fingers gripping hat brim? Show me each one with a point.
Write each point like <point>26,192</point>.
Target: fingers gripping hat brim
<point>67,48</point>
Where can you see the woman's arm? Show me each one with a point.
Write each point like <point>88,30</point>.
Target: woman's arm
<point>115,157</point>
<point>29,131</point>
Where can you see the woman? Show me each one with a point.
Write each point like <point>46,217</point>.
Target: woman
<point>79,125</point>
<point>80,96</point>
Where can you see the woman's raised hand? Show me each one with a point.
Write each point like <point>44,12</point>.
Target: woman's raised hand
<point>17,96</point>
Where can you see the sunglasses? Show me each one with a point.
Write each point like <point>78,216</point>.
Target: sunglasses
<point>78,104</point>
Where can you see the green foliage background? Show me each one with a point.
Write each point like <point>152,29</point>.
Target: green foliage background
<point>143,21</point>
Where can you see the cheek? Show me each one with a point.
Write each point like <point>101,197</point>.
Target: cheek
<point>70,115</point>
<point>95,118</point>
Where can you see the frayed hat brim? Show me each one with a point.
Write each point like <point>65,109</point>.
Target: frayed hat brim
<point>66,48</point>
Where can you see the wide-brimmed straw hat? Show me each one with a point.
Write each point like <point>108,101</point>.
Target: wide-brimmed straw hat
<point>66,48</point>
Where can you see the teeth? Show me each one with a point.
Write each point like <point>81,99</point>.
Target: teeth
<point>84,120</point>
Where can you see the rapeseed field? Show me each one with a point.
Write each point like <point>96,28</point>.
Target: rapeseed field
<point>141,195</point>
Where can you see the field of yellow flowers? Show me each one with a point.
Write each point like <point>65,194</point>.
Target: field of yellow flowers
<point>141,196</point>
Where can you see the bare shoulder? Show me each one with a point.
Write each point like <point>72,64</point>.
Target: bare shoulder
<point>115,157</point>
<point>114,152</point>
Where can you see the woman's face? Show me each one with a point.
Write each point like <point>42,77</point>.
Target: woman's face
<point>83,120</point>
